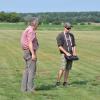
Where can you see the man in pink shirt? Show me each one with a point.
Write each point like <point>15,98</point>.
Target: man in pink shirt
<point>29,45</point>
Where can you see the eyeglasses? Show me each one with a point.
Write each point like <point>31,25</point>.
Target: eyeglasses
<point>68,28</point>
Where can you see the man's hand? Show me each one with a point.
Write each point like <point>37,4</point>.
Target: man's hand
<point>68,54</point>
<point>34,57</point>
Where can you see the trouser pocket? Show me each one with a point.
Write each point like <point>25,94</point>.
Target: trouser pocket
<point>27,55</point>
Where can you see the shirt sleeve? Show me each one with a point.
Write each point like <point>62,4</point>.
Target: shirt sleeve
<point>30,35</point>
<point>73,40</point>
<point>59,40</point>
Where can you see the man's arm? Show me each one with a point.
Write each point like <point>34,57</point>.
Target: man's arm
<point>32,51</point>
<point>74,51</point>
<point>30,38</point>
<point>64,51</point>
<point>73,46</point>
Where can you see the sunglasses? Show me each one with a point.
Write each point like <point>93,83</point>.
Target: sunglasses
<point>68,28</point>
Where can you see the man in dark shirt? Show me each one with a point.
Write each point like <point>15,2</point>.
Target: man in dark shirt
<point>66,45</point>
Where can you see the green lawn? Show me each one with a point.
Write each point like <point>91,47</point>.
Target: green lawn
<point>21,26</point>
<point>84,78</point>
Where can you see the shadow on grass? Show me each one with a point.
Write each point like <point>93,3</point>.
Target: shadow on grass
<point>82,82</point>
<point>85,82</point>
<point>45,87</point>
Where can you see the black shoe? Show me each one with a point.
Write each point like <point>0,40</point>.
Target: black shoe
<point>57,83</point>
<point>65,83</point>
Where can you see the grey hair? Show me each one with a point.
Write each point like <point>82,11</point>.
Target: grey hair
<point>33,20</point>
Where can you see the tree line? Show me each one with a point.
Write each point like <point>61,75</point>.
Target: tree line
<point>10,17</point>
<point>52,17</point>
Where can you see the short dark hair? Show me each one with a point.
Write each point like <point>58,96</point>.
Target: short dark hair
<point>67,25</point>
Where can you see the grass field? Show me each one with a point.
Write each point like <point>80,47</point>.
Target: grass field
<point>84,78</point>
<point>21,26</point>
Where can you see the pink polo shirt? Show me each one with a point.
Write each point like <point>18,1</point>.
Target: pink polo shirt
<point>27,36</point>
